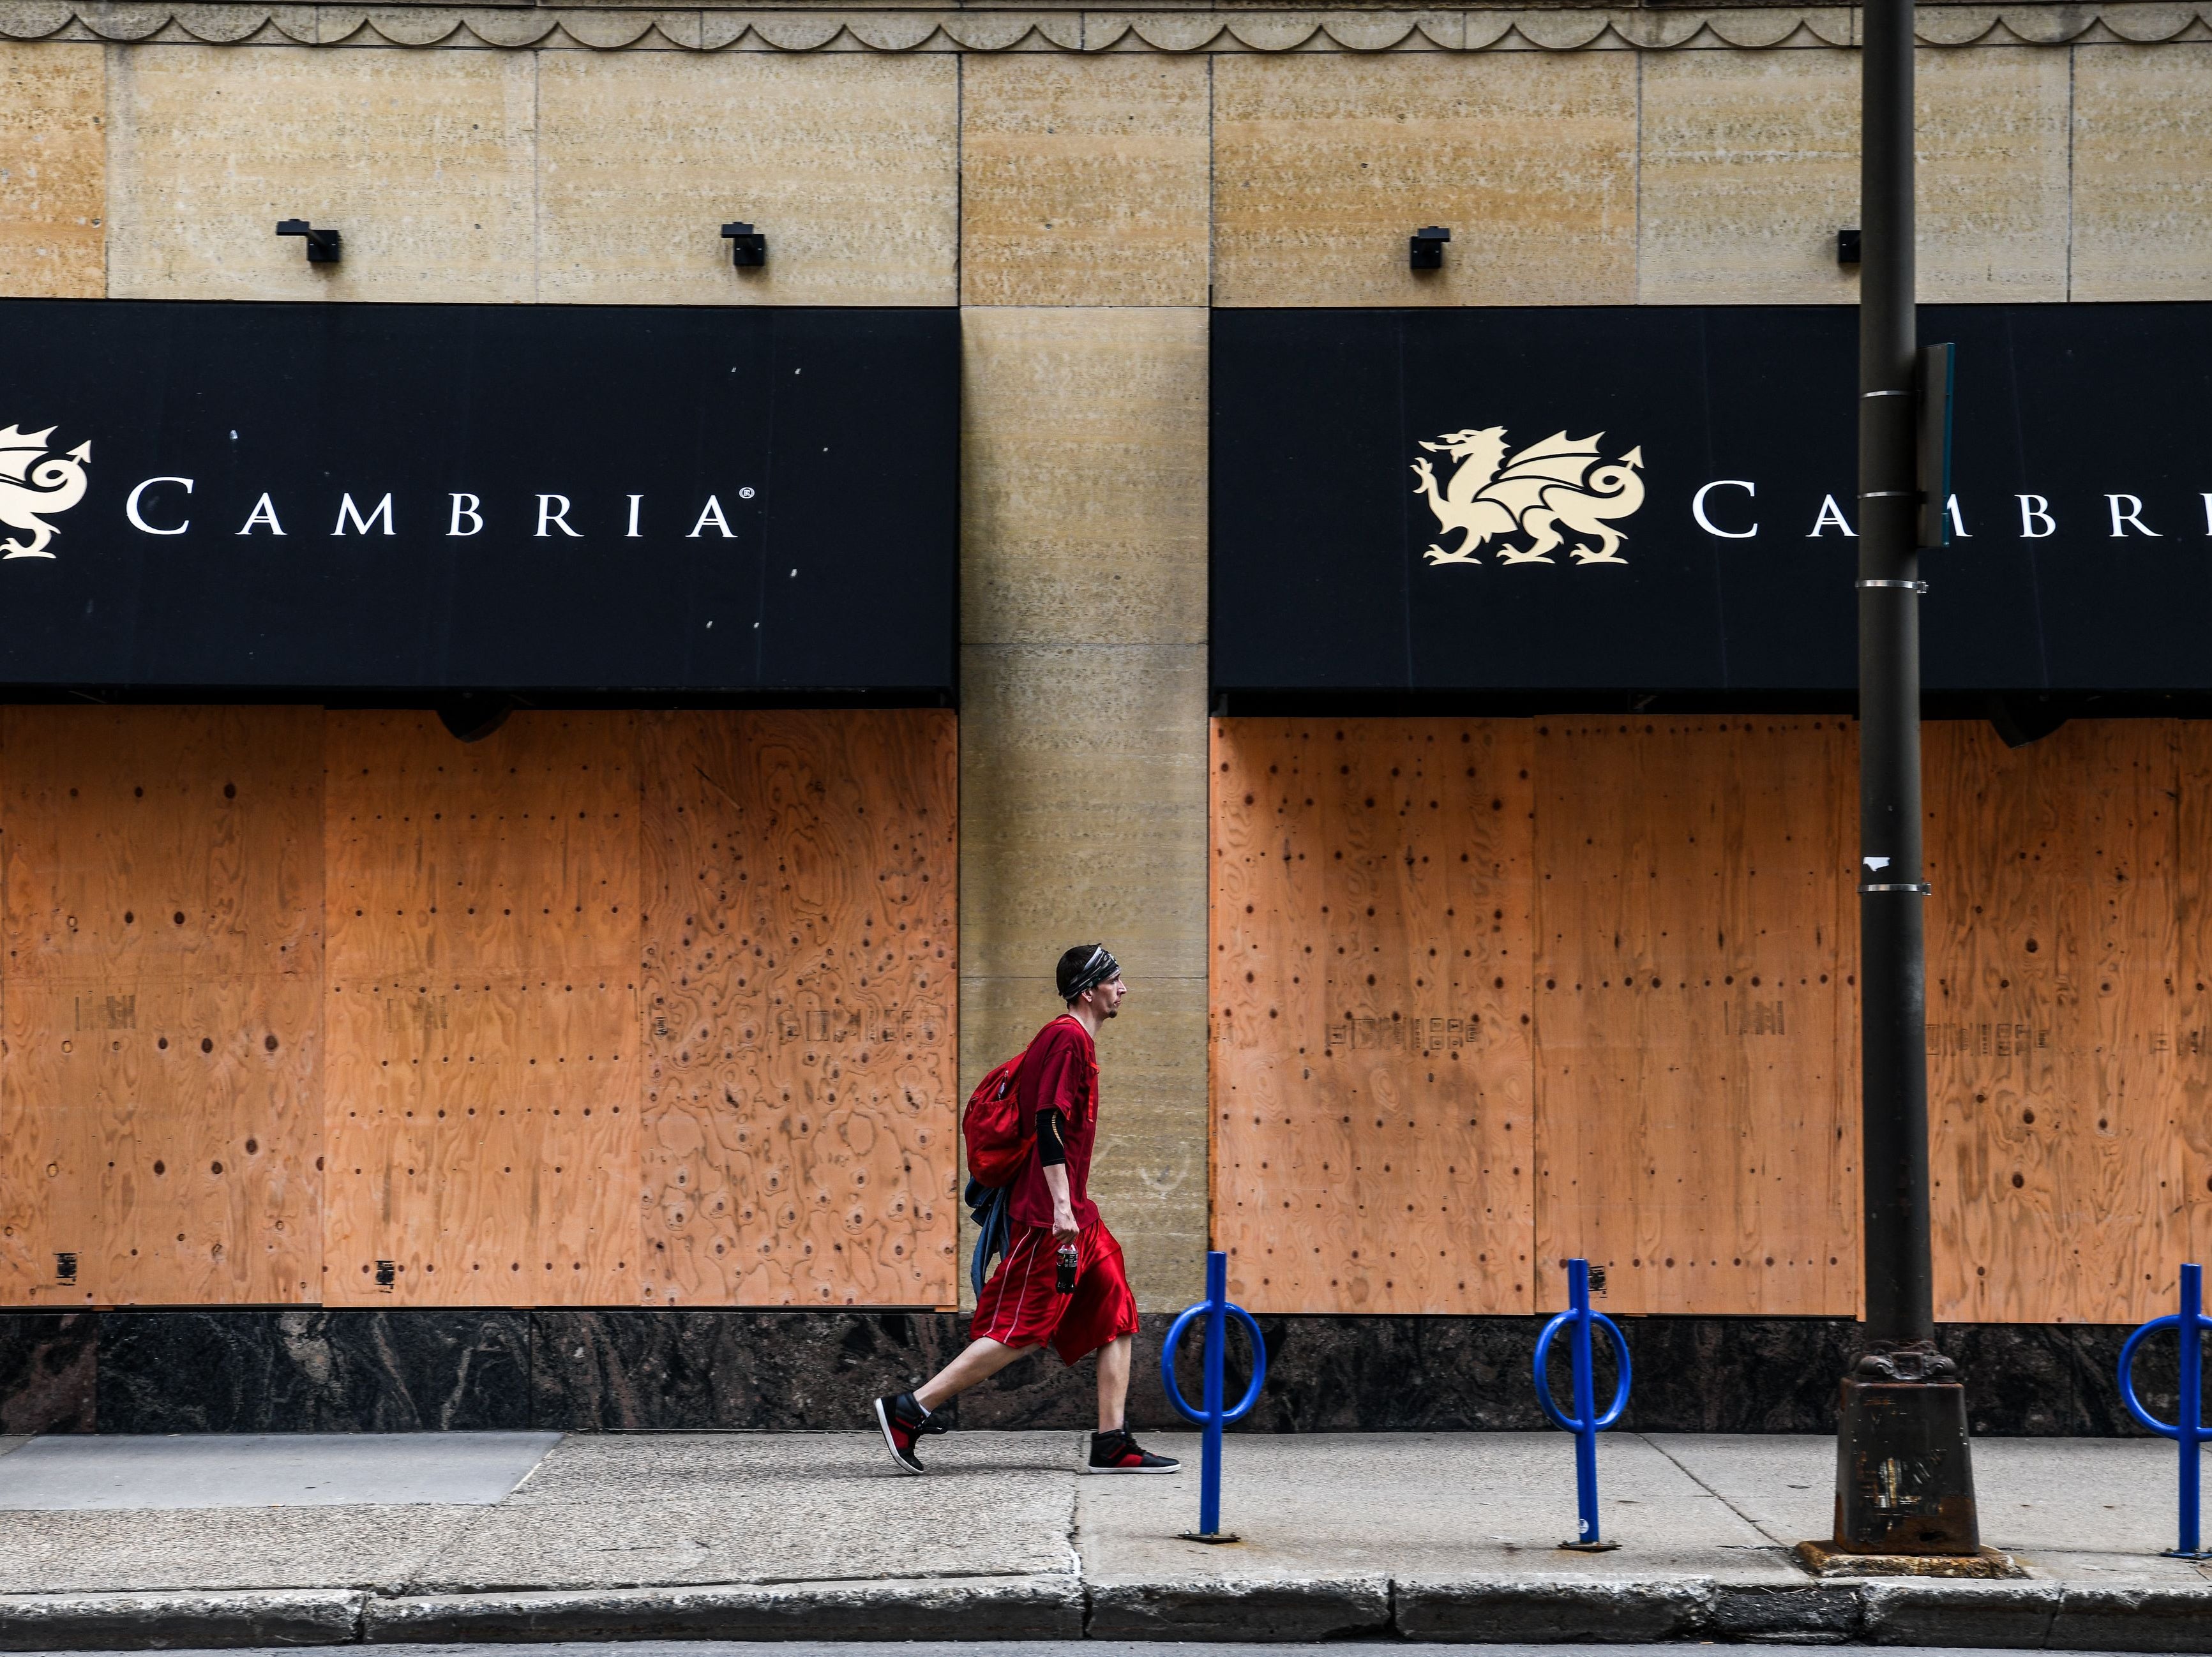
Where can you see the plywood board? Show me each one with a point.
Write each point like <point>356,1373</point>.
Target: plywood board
<point>1692,981</point>
<point>1661,953</point>
<point>483,1011</point>
<point>183,1133</point>
<point>800,971</point>
<point>1694,1095</point>
<point>179,843</point>
<point>517,853</point>
<point>1372,1145</point>
<point>2067,1034</point>
<point>159,1135</point>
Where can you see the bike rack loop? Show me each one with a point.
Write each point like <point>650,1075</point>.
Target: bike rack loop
<point>1216,1310</point>
<point>1586,1423</point>
<point>2189,1431</point>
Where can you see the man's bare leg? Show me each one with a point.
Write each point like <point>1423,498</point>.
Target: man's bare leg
<point>1114,1360</point>
<point>983,1358</point>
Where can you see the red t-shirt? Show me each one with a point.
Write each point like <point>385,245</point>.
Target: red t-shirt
<point>1060,1069</point>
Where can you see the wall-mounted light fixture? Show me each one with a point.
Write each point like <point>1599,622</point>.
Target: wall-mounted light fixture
<point>323,246</point>
<point>1425,249</point>
<point>748,247</point>
<point>1847,247</point>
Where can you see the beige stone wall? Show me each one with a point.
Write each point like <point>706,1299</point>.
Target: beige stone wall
<point>555,177</point>
<point>1750,164</point>
<point>1084,181</point>
<point>1058,179</point>
<point>1086,206</point>
<point>53,171</point>
<point>1083,729</point>
<point>1325,163</point>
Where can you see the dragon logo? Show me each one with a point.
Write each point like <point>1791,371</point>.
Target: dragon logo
<point>1558,487</point>
<point>33,489</point>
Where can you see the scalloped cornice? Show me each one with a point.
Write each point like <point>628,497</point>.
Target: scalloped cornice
<point>835,27</point>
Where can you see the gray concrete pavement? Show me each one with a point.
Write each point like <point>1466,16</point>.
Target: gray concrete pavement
<point>629,1510</point>
<point>261,1470</point>
<point>2065,1506</point>
<point>1429,1505</point>
<point>771,1536</point>
<point>378,1548</point>
<point>463,1513</point>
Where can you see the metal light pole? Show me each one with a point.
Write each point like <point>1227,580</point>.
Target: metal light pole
<point>1903,1483</point>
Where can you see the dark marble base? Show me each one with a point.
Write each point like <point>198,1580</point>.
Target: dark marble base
<point>798,1371</point>
<point>247,1370</point>
<point>314,1372</point>
<point>48,1362</point>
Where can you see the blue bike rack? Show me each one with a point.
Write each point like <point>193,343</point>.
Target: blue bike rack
<point>2189,1431</point>
<point>1586,1423</point>
<point>1217,1311</point>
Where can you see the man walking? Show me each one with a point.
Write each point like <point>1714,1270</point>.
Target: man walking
<point>1024,1305</point>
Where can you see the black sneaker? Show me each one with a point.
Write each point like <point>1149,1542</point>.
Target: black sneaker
<point>903,1421</point>
<point>1118,1452</point>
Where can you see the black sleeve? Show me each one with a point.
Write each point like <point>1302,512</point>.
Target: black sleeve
<point>1051,1152</point>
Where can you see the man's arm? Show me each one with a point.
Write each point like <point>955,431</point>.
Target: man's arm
<point>1052,1157</point>
<point>1064,1228</point>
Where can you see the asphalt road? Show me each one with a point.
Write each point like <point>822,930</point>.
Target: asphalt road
<point>994,1649</point>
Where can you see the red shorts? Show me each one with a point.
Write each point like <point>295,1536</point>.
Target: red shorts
<point>1021,1307</point>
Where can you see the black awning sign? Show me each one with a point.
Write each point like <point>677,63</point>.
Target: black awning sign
<point>162,506</point>
<point>1662,498</point>
<point>37,483</point>
<point>199,496</point>
<point>1558,494</point>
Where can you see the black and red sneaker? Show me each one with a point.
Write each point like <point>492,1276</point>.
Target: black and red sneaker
<point>903,1421</point>
<point>1118,1452</point>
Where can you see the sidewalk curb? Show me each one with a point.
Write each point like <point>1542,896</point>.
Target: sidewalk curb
<point>2110,1617</point>
<point>1929,1611</point>
<point>1250,1608</point>
<point>119,1622</point>
<point>941,1608</point>
<point>2027,1615</point>
<point>1815,1611</point>
<point>1554,1608</point>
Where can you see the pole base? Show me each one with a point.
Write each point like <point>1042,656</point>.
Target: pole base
<point>1905,1479</point>
<point>1825,1559</point>
<point>2177,1553</point>
<point>1207,1535</point>
<point>1587,1547</point>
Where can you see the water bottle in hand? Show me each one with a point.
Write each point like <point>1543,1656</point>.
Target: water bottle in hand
<point>1064,1282</point>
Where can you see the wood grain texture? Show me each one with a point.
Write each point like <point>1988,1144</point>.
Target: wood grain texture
<point>800,1092</point>
<point>180,1122</point>
<point>483,1011</point>
<point>1667,902</point>
<point>1696,1094</point>
<point>171,842</point>
<point>2066,1023</point>
<point>169,1121</point>
<point>1372,1148</point>
<point>1693,976</point>
<point>159,1120</point>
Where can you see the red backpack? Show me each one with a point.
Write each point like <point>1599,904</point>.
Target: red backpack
<point>998,1138</point>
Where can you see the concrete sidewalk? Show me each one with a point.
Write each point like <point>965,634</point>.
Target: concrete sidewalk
<point>1429,1536</point>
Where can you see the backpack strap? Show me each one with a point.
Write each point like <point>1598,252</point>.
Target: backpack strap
<point>994,1217</point>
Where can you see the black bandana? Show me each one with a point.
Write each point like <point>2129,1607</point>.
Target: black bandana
<point>1101,968</point>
